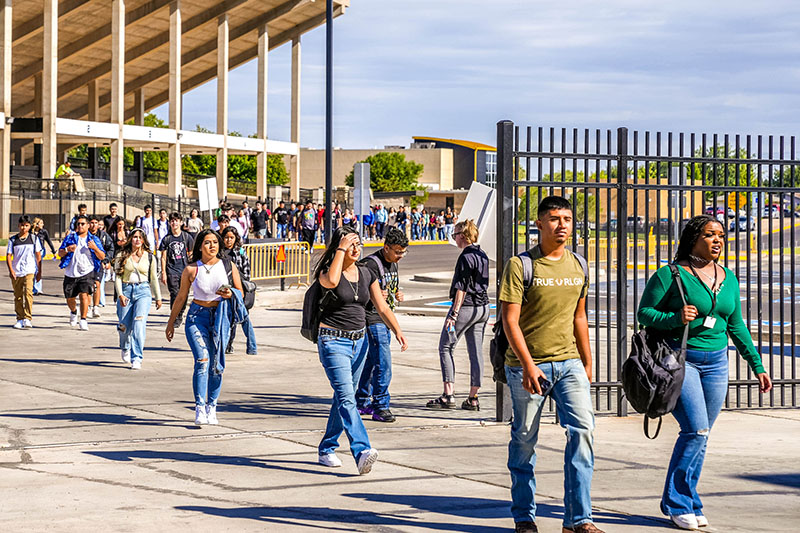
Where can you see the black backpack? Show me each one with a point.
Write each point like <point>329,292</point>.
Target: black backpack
<point>248,287</point>
<point>652,376</point>
<point>316,299</point>
<point>498,345</point>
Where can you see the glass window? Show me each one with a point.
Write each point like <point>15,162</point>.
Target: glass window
<point>491,169</point>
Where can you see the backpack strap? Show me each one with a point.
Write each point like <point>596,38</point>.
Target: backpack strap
<point>584,266</point>
<point>228,264</point>
<point>381,270</point>
<point>676,275</point>
<point>647,427</point>
<point>527,273</point>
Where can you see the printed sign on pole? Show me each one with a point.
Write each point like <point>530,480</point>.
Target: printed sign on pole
<point>480,207</point>
<point>361,188</point>
<point>207,191</point>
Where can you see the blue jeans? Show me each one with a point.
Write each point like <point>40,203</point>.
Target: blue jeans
<point>206,383</point>
<point>377,373</point>
<point>249,334</point>
<point>574,406</point>
<point>132,318</point>
<point>343,360</point>
<point>103,276</point>
<point>414,231</point>
<point>704,389</point>
<point>280,231</point>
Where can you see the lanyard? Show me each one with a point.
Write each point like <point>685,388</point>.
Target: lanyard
<point>712,293</point>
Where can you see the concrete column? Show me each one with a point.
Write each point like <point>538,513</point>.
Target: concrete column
<point>93,101</point>
<point>49,89</point>
<point>294,170</point>
<point>261,110</point>
<point>138,119</point>
<point>175,100</point>
<point>138,107</point>
<point>5,104</point>
<point>117,162</point>
<point>222,103</point>
<point>37,92</point>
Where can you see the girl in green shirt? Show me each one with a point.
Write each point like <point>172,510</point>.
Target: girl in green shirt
<point>713,312</point>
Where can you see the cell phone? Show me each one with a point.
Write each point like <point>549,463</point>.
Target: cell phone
<point>224,287</point>
<point>545,385</point>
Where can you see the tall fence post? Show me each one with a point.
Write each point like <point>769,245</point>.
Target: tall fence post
<point>505,246</point>
<point>60,215</point>
<point>125,206</point>
<point>94,202</point>
<point>622,262</point>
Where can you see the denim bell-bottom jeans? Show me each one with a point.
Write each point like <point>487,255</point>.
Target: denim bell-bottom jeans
<point>199,328</point>
<point>571,391</point>
<point>373,387</point>
<point>132,319</point>
<point>705,386</point>
<point>343,360</point>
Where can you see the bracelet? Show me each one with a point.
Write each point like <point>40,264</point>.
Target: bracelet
<point>341,250</point>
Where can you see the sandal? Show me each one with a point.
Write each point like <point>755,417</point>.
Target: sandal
<point>442,402</point>
<point>471,404</point>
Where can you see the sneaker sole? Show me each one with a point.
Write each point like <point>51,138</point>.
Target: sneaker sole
<point>366,468</point>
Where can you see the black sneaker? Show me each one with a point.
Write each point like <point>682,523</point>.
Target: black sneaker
<point>229,350</point>
<point>383,415</point>
<point>525,527</point>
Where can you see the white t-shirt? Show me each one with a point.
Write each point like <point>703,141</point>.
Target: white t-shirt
<point>147,227</point>
<point>82,262</point>
<point>24,252</point>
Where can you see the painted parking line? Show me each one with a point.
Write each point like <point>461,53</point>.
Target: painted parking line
<point>448,304</point>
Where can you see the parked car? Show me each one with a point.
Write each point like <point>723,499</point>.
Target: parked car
<point>662,226</point>
<point>711,210</point>
<point>771,211</point>
<point>744,223</point>
<point>637,222</point>
<point>790,213</point>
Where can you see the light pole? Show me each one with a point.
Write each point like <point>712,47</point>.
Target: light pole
<point>328,119</point>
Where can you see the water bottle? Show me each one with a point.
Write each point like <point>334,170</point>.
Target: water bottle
<point>451,334</point>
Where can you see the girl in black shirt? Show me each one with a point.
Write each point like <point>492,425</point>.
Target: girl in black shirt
<point>342,345</point>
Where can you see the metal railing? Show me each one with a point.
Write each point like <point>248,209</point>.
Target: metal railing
<point>280,260</point>
<point>632,193</point>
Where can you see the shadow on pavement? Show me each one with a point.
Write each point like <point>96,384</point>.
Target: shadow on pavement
<point>107,364</point>
<point>190,457</point>
<point>785,479</point>
<point>98,418</point>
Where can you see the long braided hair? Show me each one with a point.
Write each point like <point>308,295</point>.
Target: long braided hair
<point>690,234</point>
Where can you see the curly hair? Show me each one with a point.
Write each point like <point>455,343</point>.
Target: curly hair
<point>690,234</point>
<point>395,236</point>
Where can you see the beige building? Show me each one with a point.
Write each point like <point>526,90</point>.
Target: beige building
<point>76,71</point>
<point>437,174</point>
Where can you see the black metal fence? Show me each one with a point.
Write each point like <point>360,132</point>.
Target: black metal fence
<point>631,194</point>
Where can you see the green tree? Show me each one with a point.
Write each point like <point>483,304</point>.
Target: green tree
<point>583,202</point>
<point>722,174</point>
<point>389,171</point>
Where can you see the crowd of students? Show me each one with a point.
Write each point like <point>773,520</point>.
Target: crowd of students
<point>541,306</point>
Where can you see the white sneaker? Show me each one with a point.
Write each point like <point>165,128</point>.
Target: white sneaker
<point>200,416</point>
<point>126,356</point>
<point>330,460</point>
<point>684,521</point>
<point>366,459</point>
<point>94,312</point>
<point>84,325</point>
<point>702,521</point>
<point>73,319</point>
<point>211,414</point>
<point>19,324</point>
<point>28,323</point>
<point>136,364</point>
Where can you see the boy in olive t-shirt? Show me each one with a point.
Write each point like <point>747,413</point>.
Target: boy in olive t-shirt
<point>548,335</point>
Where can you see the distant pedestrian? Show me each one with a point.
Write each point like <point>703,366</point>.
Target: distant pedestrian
<point>308,225</point>
<point>111,218</point>
<point>416,219</point>
<point>232,249</point>
<point>401,219</point>
<point>194,224</point>
<point>441,228</point>
<point>175,249</point>
<point>137,285</point>
<point>713,313</point>
<point>216,305</point>
<point>381,218</point>
<point>41,233</point>
<point>342,346</point>
<point>149,226</point>
<point>96,228</point>
<point>467,317</point>
<point>258,221</point>
<point>24,259</point>
<point>81,255</point>
<point>81,213</point>
<point>373,396</point>
<point>432,226</point>
<point>449,223</point>
<point>281,216</point>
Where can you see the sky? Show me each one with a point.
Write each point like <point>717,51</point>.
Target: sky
<point>454,68</point>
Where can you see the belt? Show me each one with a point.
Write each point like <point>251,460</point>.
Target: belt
<point>134,284</point>
<point>345,334</point>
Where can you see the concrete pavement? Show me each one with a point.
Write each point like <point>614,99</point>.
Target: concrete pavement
<point>87,443</point>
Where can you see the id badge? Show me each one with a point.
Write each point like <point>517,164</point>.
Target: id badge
<point>709,322</point>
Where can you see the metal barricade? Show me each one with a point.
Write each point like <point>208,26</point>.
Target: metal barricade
<point>276,260</point>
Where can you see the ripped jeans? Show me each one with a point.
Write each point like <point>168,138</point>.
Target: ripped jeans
<point>206,383</point>
<point>132,325</point>
<point>704,389</point>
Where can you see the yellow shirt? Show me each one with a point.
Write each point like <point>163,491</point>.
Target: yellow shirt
<point>548,311</point>
<point>138,272</point>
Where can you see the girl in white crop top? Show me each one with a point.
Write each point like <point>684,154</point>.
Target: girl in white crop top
<point>208,280</point>
<point>206,276</point>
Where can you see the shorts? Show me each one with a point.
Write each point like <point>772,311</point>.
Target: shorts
<point>82,285</point>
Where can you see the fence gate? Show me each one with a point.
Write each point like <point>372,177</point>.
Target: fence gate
<point>627,225</point>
